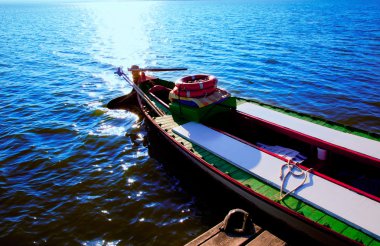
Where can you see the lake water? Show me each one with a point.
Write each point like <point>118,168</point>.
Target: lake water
<point>73,172</point>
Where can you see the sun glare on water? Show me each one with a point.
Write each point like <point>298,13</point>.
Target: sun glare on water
<point>121,34</point>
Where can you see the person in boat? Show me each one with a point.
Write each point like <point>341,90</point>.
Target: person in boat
<point>139,76</point>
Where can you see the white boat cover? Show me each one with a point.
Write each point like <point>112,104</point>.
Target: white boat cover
<point>349,141</point>
<point>347,205</point>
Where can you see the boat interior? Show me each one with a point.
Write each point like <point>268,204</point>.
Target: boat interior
<point>339,165</point>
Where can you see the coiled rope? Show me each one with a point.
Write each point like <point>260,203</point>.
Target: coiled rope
<point>295,171</point>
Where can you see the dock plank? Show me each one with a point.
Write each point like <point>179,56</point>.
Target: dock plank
<point>215,236</point>
<point>266,238</point>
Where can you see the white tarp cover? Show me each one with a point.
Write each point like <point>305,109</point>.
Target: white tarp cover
<point>349,141</point>
<point>353,208</point>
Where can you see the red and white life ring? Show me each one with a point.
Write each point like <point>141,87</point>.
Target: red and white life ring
<point>196,82</point>
<point>193,93</point>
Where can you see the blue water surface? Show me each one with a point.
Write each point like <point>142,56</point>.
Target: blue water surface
<point>72,171</point>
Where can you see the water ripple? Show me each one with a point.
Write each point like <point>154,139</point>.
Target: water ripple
<point>73,172</point>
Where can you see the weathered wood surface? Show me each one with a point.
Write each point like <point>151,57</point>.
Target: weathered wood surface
<point>216,237</point>
<point>266,238</point>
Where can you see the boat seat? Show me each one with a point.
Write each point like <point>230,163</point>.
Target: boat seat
<point>345,143</point>
<point>161,92</point>
<point>343,203</point>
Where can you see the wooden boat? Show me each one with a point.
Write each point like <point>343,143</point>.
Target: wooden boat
<point>317,176</point>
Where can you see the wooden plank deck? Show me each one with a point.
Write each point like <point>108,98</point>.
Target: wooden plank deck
<point>215,236</point>
<point>266,238</point>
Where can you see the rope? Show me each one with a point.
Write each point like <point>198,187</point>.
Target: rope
<point>300,173</point>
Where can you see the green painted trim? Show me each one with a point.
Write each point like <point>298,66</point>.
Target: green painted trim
<point>374,243</point>
<point>358,236</point>
<point>295,204</point>
<point>333,223</point>
<point>311,212</point>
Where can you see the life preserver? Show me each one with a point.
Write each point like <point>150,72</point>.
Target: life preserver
<point>193,93</point>
<point>196,82</point>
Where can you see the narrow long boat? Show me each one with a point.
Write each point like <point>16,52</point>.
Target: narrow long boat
<point>317,176</point>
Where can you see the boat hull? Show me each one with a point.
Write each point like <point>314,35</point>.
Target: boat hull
<point>320,234</point>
